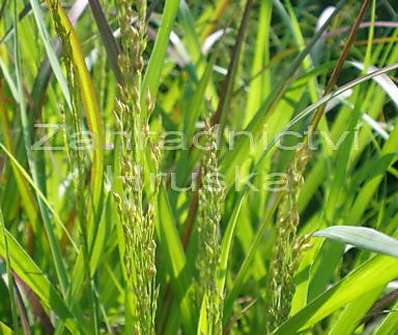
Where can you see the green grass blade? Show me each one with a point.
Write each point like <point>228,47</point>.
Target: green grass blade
<point>226,244</point>
<point>170,245</point>
<point>203,324</point>
<point>27,136</point>
<point>30,273</point>
<point>389,325</point>
<point>10,278</point>
<point>40,195</point>
<point>219,117</point>
<point>363,238</point>
<point>152,75</point>
<point>371,275</point>
<point>5,329</point>
<point>260,86</point>
<point>268,107</point>
<point>28,200</point>
<point>51,53</point>
<point>354,313</point>
<point>248,261</point>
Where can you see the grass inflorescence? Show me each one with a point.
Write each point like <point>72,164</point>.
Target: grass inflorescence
<point>211,199</point>
<point>135,201</point>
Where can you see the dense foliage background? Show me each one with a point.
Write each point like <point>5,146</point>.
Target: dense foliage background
<point>198,167</point>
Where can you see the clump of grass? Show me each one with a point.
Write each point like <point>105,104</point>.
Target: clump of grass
<point>233,255</point>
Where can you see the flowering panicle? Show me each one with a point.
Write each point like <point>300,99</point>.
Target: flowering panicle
<point>287,248</point>
<point>135,201</point>
<point>211,200</point>
<point>74,135</point>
